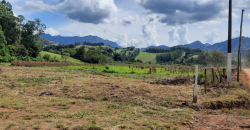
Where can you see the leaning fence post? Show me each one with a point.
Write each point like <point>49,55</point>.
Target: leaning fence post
<point>195,85</point>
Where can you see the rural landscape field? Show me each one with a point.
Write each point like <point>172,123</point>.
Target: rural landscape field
<point>87,97</point>
<point>124,65</point>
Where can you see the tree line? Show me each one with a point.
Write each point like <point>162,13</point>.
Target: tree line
<point>189,56</point>
<point>160,50</point>
<point>89,43</point>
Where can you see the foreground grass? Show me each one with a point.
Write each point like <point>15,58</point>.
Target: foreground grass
<point>86,98</point>
<point>72,60</point>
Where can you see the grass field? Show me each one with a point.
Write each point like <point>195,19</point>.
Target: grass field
<point>5,63</point>
<point>127,70</point>
<point>146,57</point>
<point>59,57</point>
<point>83,98</point>
<point>119,50</point>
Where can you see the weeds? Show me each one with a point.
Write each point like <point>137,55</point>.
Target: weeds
<point>61,126</point>
<point>4,115</point>
<point>27,117</point>
<point>9,126</point>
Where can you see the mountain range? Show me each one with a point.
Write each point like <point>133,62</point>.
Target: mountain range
<point>221,46</point>
<point>72,40</point>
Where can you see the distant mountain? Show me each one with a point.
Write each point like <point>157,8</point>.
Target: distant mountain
<point>197,44</point>
<point>222,46</point>
<point>72,40</point>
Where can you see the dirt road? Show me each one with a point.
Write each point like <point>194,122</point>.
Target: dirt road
<point>248,74</point>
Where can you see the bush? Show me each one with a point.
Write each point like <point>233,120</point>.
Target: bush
<point>46,57</point>
<point>21,51</point>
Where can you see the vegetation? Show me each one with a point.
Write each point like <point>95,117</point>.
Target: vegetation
<point>248,57</point>
<point>87,97</point>
<point>59,57</point>
<point>159,50</point>
<point>89,43</point>
<point>18,39</point>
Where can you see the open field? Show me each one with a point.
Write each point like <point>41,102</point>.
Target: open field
<point>146,57</point>
<point>79,98</point>
<point>72,60</point>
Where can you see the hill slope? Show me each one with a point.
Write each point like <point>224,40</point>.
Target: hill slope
<point>146,57</point>
<point>72,60</point>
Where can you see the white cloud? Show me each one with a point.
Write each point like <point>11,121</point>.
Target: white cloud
<point>125,42</point>
<point>34,6</point>
<point>125,21</point>
<point>212,36</point>
<point>249,16</point>
<point>183,32</point>
<point>179,34</point>
<point>86,11</point>
<point>173,34</point>
<point>236,33</point>
<point>201,27</point>
<point>52,31</point>
<point>92,34</point>
<point>149,32</point>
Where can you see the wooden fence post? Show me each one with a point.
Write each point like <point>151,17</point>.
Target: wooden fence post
<point>195,85</point>
<point>212,75</point>
<point>206,81</point>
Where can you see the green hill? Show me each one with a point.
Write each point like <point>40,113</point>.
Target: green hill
<point>72,60</point>
<point>146,57</point>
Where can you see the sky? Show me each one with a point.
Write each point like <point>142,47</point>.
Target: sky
<point>139,23</point>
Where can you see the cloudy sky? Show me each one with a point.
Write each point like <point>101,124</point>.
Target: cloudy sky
<point>140,23</point>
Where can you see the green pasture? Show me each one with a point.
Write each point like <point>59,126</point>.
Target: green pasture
<point>146,57</point>
<point>119,50</point>
<point>5,63</point>
<point>72,60</point>
<point>138,73</point>
<point>127,70</point>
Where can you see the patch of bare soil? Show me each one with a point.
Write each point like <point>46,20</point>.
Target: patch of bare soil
<point>220,122</point>
<point>248,75</point>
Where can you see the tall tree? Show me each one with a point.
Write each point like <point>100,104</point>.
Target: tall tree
<point>30,36</point>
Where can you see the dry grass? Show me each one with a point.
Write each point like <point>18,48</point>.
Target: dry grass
<point>48,98</point>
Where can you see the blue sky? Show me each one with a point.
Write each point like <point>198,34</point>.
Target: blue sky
<point>140,23</point>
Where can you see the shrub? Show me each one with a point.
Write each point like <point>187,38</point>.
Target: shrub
<point>46,57</point>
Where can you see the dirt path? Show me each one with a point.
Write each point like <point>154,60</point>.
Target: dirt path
<point>248,74</point>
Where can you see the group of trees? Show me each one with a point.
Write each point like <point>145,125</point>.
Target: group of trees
<point>18,38</point>
<point>98,54</point>
<point>89,43</point>
<point>189,56</point>
<point>159,50</point>
<point>169,56</point>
